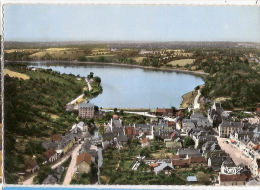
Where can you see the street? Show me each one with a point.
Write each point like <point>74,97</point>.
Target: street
<point>237,156</point>
<point>72,167</point>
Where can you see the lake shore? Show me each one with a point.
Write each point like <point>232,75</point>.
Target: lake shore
<point>198,73</point>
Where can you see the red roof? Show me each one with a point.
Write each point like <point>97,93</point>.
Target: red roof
<point>30,164</point>
<point>130,131</point>
<point>49,153</point>
<point>175,157</point>
<point>258,109</point>
<point>199,159</point>
<point>145,140</point>
<point>171,123</point>
<point>154,165</point>
<point>180,113</point>
<point>173,134</point>
<point>115,116</point>
<point>56,137</point>
<point>184,162</point>
<point>163,110</point>
<point>235,177</point>
<point>83,157</point>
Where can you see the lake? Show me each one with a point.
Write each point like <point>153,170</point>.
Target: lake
<point>127,87</point>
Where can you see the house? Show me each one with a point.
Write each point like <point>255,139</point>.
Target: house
<point>163,167</point>
<point>81,126</point>
<point>171,124</point>
<point>50,155</point>
<point>180,163</point>
<point>186,124</point>
<point>235,179</point>
<point>255,167</point>
<point>188,152</point>
<point>66,143</point>
<point>86,110</point>
<point>56,138</point>
<point>200,139</point>
<point>215,162</point>
<point>144,130</point>
<point>215,113</point>
<point>164,134</point>
<point>31,166</point>
<point>83,162</point>
<point>145,142</point>
<point>164,112</point>
<point>50,179</point>
<point>55,177</point>
<point>197,160</point>
<point>121,140</point>
<point>227,127</point>
<point>130,131</point>
<point>228,167</point>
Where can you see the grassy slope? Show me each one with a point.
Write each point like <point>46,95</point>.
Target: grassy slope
<point>29,105</point>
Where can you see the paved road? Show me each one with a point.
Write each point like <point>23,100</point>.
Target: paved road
<point>237,156</point>
<point>72,167</point>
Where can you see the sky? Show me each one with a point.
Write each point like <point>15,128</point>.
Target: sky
<point>131,23</point>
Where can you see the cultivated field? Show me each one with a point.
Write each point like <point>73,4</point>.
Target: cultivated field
<point>15,74</point>
<point>181,62</point>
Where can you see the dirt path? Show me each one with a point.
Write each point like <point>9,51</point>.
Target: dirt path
<point>72,167</point>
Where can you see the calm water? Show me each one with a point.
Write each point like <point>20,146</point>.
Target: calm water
<point>125,87</point>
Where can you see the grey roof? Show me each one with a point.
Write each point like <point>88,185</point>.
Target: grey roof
<point>86,105</point>
<point>143,127</point>
<point>189,152</point>
<point>228,162</point>
<point>116,123</point>
<point>217,161</point>
<point>191,179</point>
<point>215,147</point>
<point>162,166</point>
<point>122,138</point>
<point>232,124</point>
<point>108,136</point>
<point>50,179</point>
<point>49,145</point>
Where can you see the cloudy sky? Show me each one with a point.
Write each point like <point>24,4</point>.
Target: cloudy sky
<point>132,23</point>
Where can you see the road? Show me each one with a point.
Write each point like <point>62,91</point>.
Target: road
<point>237,156</point>
<point>141,113</point>
<point>72,167</point>
<point>29,181</point>
<point>196,104</point>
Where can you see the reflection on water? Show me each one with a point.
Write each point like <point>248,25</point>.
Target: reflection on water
<point>126,87</point>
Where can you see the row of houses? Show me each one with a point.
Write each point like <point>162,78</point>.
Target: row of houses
<point>58,145</point>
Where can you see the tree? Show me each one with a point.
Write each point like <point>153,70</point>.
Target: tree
<point>115,110</point>
<point>188,141</point>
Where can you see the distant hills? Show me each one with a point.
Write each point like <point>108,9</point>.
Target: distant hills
<point>133,44</point>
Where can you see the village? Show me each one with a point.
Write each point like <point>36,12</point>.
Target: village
<point>212,148</point>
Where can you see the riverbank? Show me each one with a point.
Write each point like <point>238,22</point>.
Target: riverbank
<point>198,73</point>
